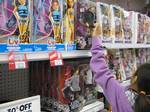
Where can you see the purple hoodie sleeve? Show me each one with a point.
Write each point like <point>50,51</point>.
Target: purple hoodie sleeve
<point>102,74</point>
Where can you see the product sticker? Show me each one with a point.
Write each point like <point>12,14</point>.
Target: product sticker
<point>17,61</point>
<point>56,58</point>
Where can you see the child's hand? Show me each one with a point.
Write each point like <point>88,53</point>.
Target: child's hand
<point>96,31</point>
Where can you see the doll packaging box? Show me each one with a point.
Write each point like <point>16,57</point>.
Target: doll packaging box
<point>47,27</point>
<point>129,26</point>
<point>117,25</point>
<point>115,64</point>
<point>76,86</point>
<point>141,56</point>
<point>16,25</point>
<point>140,28</point>
<point>68,29</point>
<point>85,18</point>
<point>104,20</point>
<point>147,30</point>
<point>128,62</point>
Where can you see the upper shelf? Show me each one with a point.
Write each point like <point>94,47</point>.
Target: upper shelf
<point>34,56</point>
<point>125,46</point>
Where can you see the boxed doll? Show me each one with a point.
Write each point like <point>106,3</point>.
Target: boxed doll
<point>128,26</point>
<point>47,19</point>
<point>84,21</point>
<point>15,26</point>
<point>117,25</point>
<point>141,56</point>
<point>115,64</point>
<point>104,20</point>
<point>68,20</point>
<point>77,87</point>
<point>68,29</point>
<point>147,30</point>
<point>140,28</point>
<point>147,55</point>
<point>128,62</point>
<point>47,27</point>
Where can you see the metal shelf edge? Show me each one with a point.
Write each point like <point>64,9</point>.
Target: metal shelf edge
<point>94,107</point>
<point>37,56</point>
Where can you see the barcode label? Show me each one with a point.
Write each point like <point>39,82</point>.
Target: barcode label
<point>20,64</point>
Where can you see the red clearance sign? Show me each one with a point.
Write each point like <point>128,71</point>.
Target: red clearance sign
<point>17,61</point>
<point>55,58</point>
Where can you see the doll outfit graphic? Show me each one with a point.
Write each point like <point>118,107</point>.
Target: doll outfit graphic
<point>22,16</point>
<point>56,16</point>
<point>23,11</point>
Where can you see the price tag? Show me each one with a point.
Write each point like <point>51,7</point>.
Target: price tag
<point>17,61</point>
<point>58,62</point>
<point>20,64</point>
<point>56,59</point>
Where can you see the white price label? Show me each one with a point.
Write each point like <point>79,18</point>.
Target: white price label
<point>20,64</point>
<point>58,62</point>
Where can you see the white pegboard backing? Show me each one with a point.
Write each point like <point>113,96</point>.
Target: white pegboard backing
<point>13,84</point>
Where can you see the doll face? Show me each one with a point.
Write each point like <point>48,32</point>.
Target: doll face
<point>55,5</point>
<point>70,3</point>
<point>22,1</point>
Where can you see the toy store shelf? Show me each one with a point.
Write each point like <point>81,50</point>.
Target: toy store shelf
<point>94,107</point>
<point>35,56</point>
<point>76,54</point>
<point>65,55</point>
<point>125,46</point>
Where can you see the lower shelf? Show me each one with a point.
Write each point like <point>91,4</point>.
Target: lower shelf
<point>94,107</point>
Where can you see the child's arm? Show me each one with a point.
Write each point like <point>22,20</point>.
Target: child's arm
<point>102,75</point>
<point>113,91</point>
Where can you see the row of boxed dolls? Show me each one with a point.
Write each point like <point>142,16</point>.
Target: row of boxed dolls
<point>24,22</point>
<point>49,22</point>
<point>121,26</point>
<point>117,25</point>
<point>124,63</point>
<point>37,21</point>
<point>44,25</point>
<point>71,86</point>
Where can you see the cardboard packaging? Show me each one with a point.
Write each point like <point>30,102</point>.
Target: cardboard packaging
<point>104,20</point>
<point>15,28</point>
<point>129,27</point>
<point>117,26</point>
<point>85,18</point>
